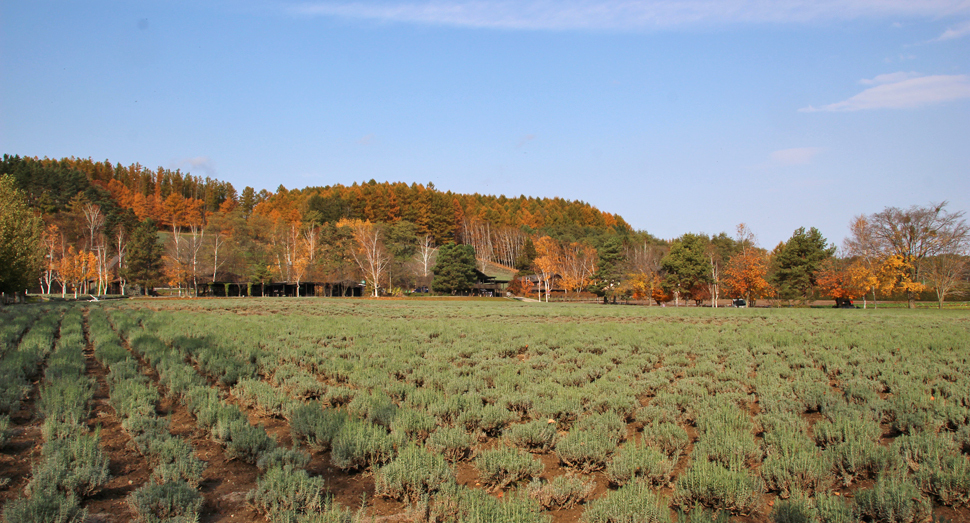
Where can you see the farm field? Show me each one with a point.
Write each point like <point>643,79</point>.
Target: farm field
<point>360,410</point>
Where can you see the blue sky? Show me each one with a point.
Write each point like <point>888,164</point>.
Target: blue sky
<point>680,116</point>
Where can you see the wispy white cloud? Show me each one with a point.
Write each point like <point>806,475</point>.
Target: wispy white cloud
<point>795,156</point>
<point>624,14</point>
<point>902,91</point>
<point>199,163</point>
<point>958,31</point>
<point>366,140</point>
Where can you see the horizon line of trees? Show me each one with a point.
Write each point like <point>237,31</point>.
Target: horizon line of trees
<point>389,235</point>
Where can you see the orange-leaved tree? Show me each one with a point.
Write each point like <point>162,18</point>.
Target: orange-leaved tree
<point>745,275</point>
<point>845,281</point>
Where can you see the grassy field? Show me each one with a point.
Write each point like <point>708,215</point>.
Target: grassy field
<point>421,410</point>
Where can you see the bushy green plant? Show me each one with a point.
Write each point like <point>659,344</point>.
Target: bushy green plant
<point>244,441</point>
<point>793,462</point>
<point>45,505</point>
<point>949,481</point>
<point>669,437</point>
<point>501,467</point>
<point>608,424</point>
<point>312,424</point>
<point>711,485</point>
<point>586,450</point>
<point>285,491</point>
<point>175,461</point>
<point>459,504</point>
<point>563,492</point>
<point>415,473</point>
<point>632,503</point>
<point>76,465</point>
<point>376,408</point>
<point>893,500</point>
<point>833,509</point>
<point>453,443</point>
<point>494,418</point>
<point>534,436</point>
<point>853,459</point>
<point>635,461</point>
<point>262,396</point>
<point>564,410</point>
<point>413,424</point>
<point>169,501</point>
<point>5,432</point>
<point>283,457</point>
<point>359,444</point>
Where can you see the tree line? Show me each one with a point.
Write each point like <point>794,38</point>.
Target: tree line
<point>94,225</point>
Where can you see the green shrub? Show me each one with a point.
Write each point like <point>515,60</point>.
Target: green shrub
<point>287,491</point>
<point>360,444</point>
<point>500,467</point>
<point>632,503</point>
<point>563,492</point>
<point>669,437</point>
<point>66,399</point>
<point>564,410</point>
<point>243,441</point>
<point>793,462</point>
<point>170,501</point>
<point>376,408</point>
<point>711,485</point>
<point>459,504</point>
<point>586,450</point>
<point>414,474</point>
<point>175,461</point>
<point>495,418</point>
<point>283,457</point>
<point>796,509</point>
<point>265,398</point>
<point>453,443</point>
<point>833,509</point>
<point>949,481</point>
<point>5,432</point>
<point>76,465</point>
<point>634,461</point>
<point>534,436</point>
<point>414,424</point>
<point>608,424</point>
<point>314,425</point>
<point>853,460</point>
<point>45,505</point>
<point>893,500</point>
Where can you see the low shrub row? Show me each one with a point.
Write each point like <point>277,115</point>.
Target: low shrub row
<point>72,464</point>
<point>172,490</point>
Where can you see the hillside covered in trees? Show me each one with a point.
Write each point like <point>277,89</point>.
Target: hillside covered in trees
<point>107,227</point>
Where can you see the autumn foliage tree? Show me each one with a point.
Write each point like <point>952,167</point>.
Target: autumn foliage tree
<point>746,275</point>
<point>845,280</point>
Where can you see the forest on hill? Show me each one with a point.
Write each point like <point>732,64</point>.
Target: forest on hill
<point>212,232</point>
<point>101,227</point>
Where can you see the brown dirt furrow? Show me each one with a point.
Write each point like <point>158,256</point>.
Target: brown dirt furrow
<point>129,469</point>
